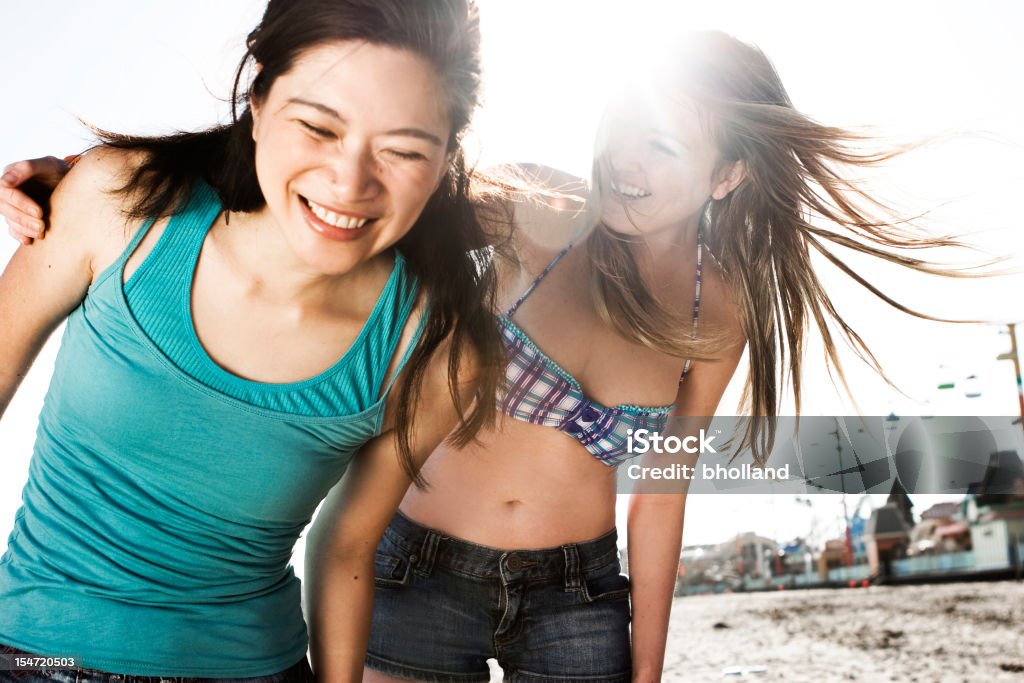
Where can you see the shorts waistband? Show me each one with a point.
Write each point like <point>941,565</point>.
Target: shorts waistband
<point>428,548</point>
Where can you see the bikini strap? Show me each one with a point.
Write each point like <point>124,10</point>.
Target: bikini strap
<point>696,297</point>
<point>529,290</point>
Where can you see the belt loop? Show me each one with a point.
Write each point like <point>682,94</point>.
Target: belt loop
<point>572,567</point>
<point>424,564</point>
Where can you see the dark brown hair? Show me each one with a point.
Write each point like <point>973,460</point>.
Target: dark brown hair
<point>440,246</point>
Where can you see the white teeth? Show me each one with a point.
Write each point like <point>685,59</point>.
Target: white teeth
<point>335,219</point>
<point>631,191</point>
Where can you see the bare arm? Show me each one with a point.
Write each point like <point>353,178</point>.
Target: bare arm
<point>339,581</point>
<point>341,546</point>
<point>43,283</point>
<point>655,522</point>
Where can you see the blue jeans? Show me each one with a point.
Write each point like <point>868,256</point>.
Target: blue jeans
<point>444,606</point>
<point>298,673</point>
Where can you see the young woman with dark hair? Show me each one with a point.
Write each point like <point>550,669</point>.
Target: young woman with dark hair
<point>239,303</point>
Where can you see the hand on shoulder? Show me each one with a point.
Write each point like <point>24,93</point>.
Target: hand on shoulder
<point>88,216</point>
<point>44,282</point>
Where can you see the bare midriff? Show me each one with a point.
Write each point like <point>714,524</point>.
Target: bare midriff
<point>519,486</point>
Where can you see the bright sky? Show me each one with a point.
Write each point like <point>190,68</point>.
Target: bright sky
<point>910,69</point>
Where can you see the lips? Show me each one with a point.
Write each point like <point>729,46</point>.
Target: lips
<point>334,223</point>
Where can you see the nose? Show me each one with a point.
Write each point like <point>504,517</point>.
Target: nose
<point>354,172</point>
<point>625,149</point>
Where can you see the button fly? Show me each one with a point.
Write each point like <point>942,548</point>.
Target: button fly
<point>514,562</point>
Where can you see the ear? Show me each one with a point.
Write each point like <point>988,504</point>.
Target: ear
<point>254,105</point>
<point>254,108</point>
<point>729,179</point>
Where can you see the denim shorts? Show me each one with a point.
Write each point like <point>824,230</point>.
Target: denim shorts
<point>297,673</point>
<point>445,606</point>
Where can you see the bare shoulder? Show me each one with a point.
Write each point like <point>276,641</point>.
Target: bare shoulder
<point>722,318</point>
<point>550,178</point>
<point>88,211</point>
<point>95,178</point>
<point>550,208</point>
<point>719,307</point>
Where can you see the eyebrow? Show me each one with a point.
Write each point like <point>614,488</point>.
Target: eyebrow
<point>408,132</point>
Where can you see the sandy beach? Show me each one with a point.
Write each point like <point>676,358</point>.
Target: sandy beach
<point>927,633</point>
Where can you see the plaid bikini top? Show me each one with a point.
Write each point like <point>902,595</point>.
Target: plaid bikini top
<point>539,391</point>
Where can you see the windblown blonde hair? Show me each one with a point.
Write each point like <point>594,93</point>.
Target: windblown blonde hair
<point>797,199</point>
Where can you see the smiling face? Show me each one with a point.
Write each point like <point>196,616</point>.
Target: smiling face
<point>351,142</point>
<point>659,165</point>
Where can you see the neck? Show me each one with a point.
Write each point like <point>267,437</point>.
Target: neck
<point>661,255</point>
<point>267,269</point>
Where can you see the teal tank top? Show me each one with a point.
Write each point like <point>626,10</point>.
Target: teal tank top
<point>165,494</point>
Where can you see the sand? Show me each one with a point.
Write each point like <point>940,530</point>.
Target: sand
<point>929,633</point>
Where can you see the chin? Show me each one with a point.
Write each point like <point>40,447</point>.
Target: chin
<point>621,223</point>
<point>330,258</point>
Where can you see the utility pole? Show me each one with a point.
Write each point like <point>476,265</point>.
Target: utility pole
<point>842,485</point>
<point>1011,355</point>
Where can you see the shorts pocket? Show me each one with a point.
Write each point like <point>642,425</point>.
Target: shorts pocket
<point>606,584</point>
<point>391,568</point>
